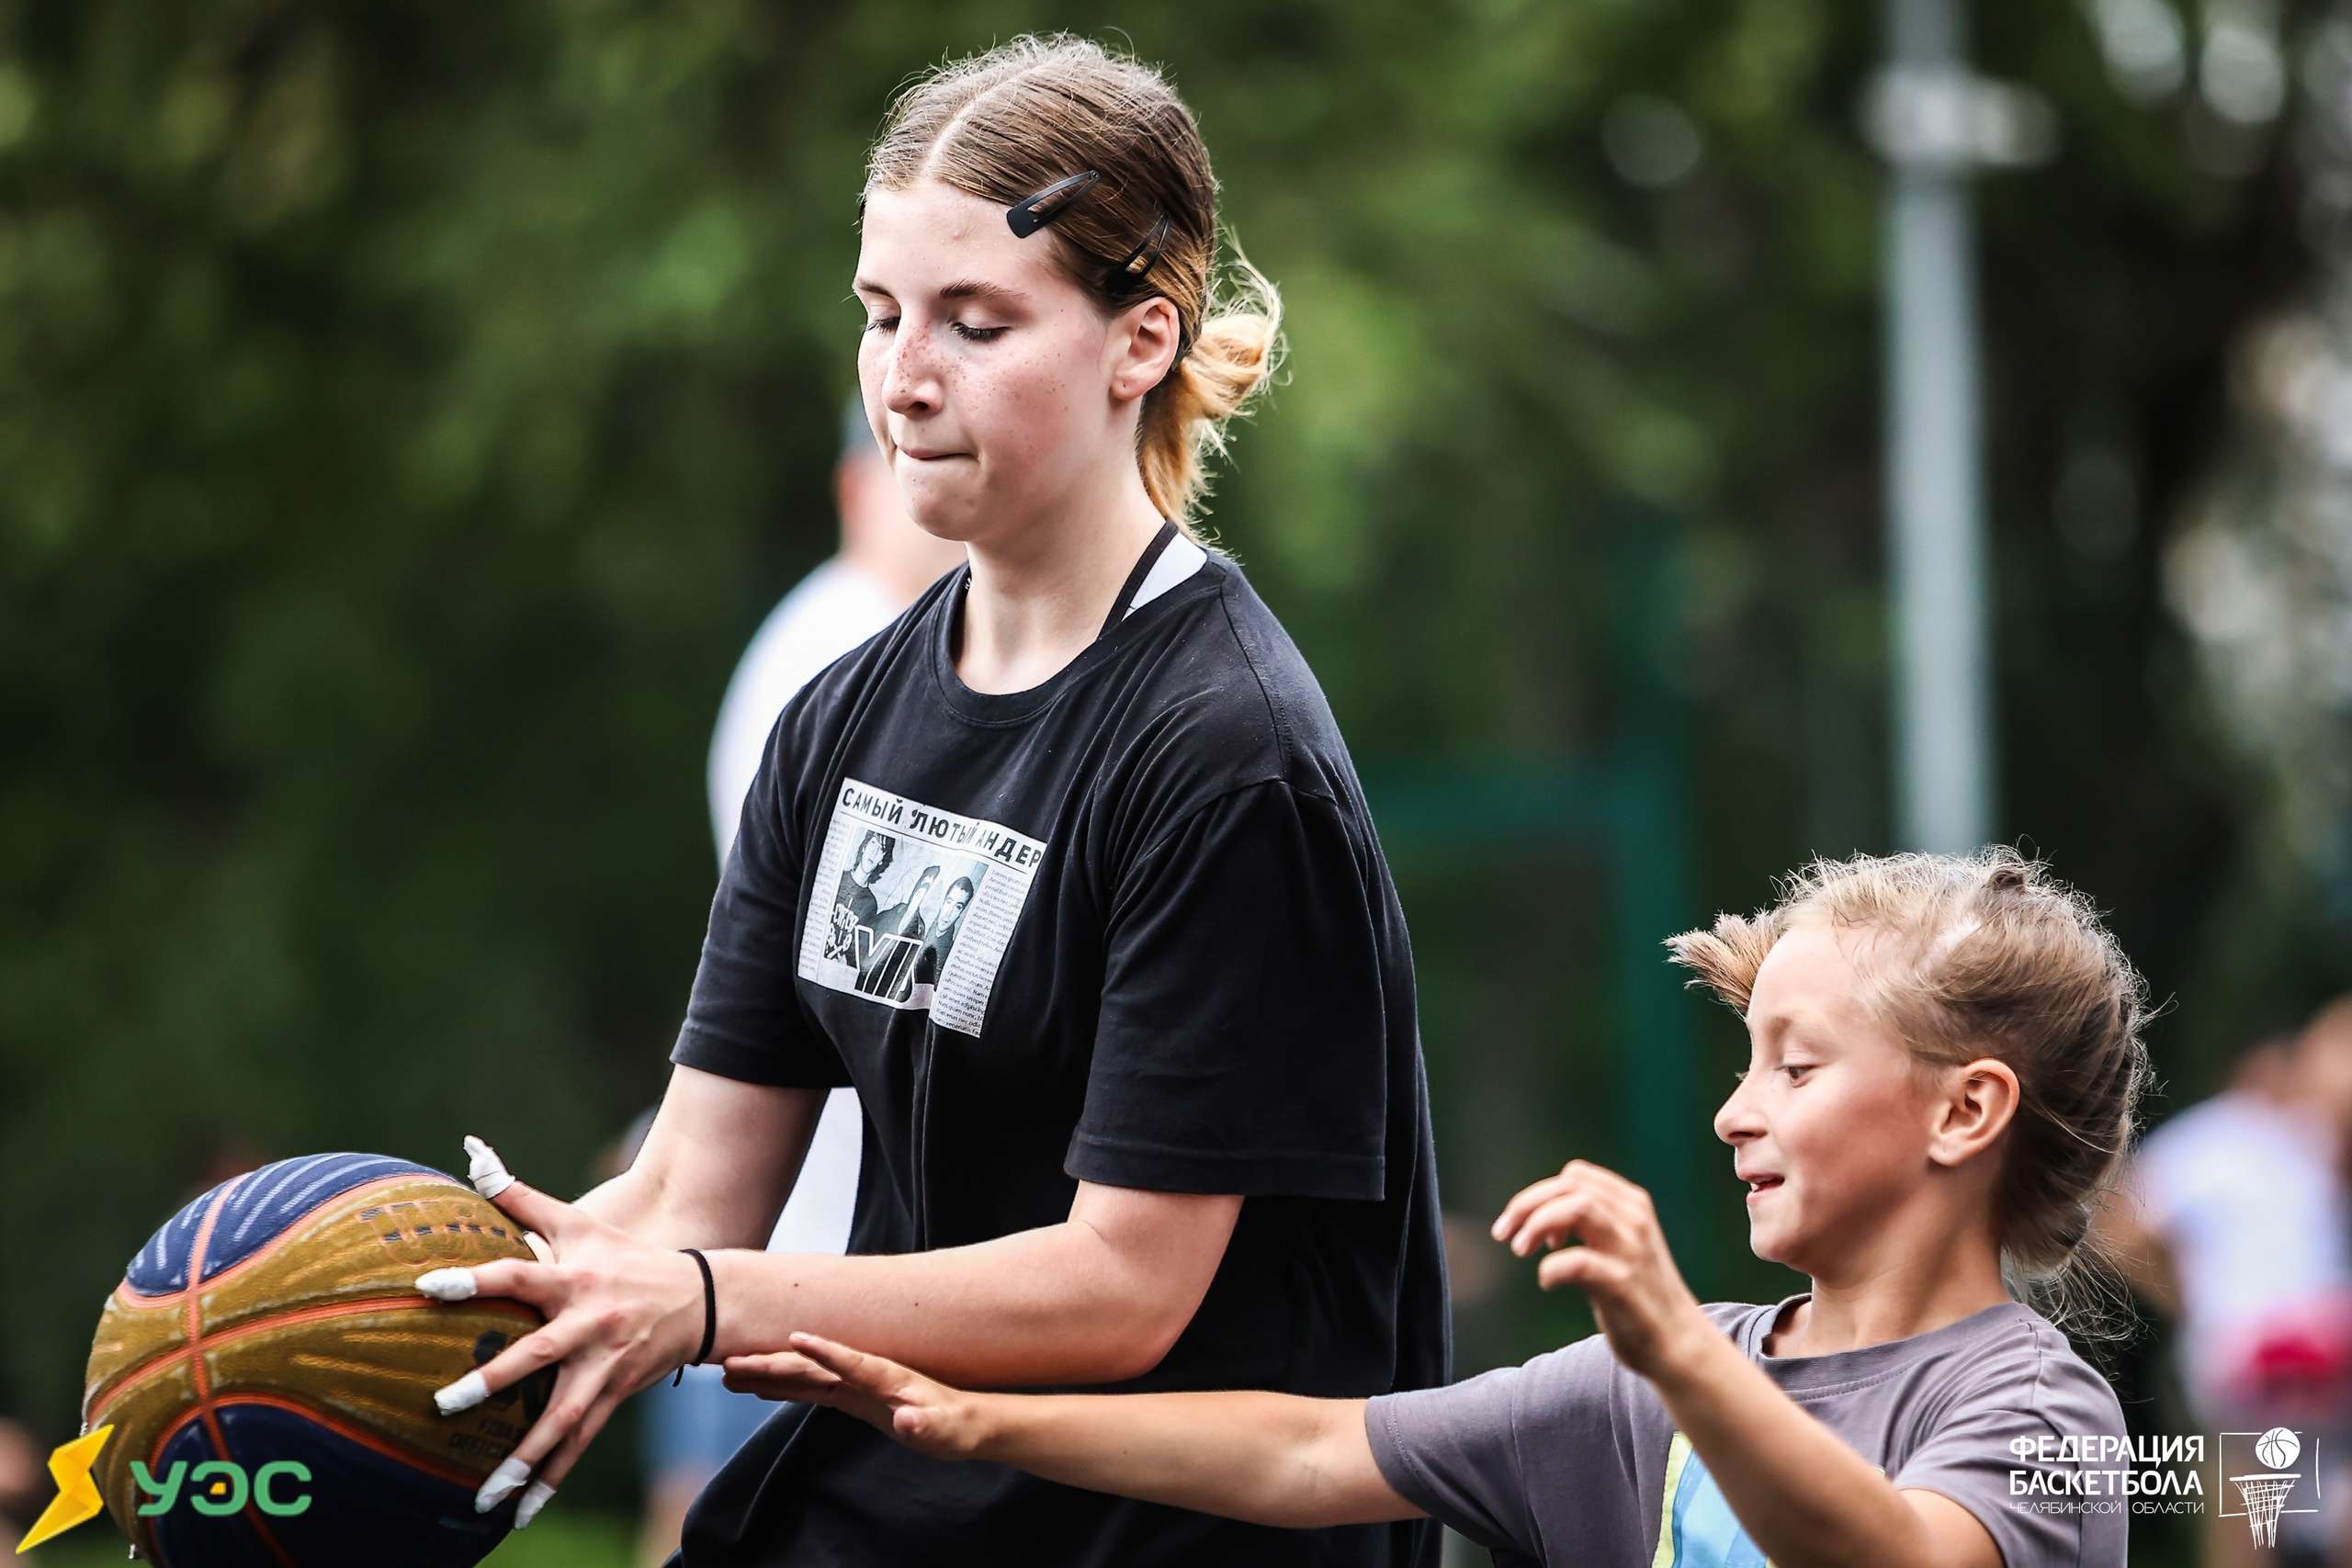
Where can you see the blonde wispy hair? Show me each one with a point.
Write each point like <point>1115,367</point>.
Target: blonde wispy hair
<point>1968,956</point>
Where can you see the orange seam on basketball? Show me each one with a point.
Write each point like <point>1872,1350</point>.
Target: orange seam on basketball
<point>200,1347</point>
<point>286,1233</point>
<point>194,1300</point>
<point>154,1366</point>
<point>196,1364</point>
<point>155,1454</point>
<point>364,1438</point>
<point>196,1326</point>
<point>134,1297</point>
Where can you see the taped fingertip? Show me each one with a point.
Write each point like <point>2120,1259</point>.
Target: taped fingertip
<point>511,1472</point>
<point>539,1246</point>
<point>485,1169</point>
<point>464,1395</point>
<point>535,1497</point>
<point>448,1284</point>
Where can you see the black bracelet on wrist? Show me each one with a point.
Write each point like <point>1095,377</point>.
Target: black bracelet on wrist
<point>709,1315</point>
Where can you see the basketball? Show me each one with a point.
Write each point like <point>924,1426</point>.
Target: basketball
<point>269,1364</point>
<point>2277,1448</point>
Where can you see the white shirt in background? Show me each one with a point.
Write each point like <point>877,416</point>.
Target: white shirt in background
<point>834,609</point>
<point>2245,1192</point>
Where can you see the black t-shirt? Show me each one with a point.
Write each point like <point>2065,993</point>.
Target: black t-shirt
<point>1178,963</point>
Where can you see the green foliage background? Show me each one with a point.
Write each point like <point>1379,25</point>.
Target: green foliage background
<point>406,413</point>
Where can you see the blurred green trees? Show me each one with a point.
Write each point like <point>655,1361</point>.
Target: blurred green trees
<point>406,413</point>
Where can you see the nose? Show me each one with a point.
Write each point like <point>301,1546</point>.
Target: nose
<point>1738,1121</point>
<point>910,375</point>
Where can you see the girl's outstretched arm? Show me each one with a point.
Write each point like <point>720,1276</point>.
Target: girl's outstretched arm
<point>1267,1458</point>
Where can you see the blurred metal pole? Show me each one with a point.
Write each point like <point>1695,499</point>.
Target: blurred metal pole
<point>1936,547</point>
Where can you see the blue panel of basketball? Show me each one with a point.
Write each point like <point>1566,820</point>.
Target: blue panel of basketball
<point>265,1202</point>
<point>161,1267</point>
<point>367,1509</point>
<point>187,1539</point>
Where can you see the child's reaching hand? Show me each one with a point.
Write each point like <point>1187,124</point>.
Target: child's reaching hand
<point>928,1418</point>
<point>1269,1458</point>
<point>1639,1295</point>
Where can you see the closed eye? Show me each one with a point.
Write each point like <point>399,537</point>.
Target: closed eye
<point>971,335</point>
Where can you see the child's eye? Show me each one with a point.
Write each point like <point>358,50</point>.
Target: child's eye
<point>881,324</point>
<point>1795,1068</point>
<point>979,334</point>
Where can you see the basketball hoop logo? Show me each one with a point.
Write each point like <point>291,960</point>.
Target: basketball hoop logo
<point>2274,1464</point>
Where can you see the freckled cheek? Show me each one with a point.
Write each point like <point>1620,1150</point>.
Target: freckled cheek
<point>1028,405</point>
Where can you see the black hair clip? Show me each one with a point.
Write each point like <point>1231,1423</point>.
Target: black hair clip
<point>1130,272</point>
<point>1033,212</point>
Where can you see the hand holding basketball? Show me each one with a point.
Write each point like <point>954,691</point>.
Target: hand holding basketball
<point>620,1314</point>
<point>1639,1295</point>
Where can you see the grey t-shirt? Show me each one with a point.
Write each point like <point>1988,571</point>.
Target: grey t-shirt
<point>1573,1459</point>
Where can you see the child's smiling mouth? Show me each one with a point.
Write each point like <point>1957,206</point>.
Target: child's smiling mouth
<point>1758,1182</point>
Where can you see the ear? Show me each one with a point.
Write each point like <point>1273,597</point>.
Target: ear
<point>1973,1105</point>
<point>1143,346</point>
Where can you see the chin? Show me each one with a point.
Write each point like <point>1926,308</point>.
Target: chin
<point>1771,1246</point>
<point>951,522</point>
<point>942,530</point>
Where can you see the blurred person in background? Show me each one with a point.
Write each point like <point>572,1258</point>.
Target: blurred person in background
<point>24,1479</point>
<point>883,562</point>
<point>2235,1222</point>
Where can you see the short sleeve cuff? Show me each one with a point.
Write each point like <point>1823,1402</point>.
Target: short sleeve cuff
<point>1394,1459</point>
<point>1122,1163</point>
<point>777,1069</point>
<point>1396,1466</point>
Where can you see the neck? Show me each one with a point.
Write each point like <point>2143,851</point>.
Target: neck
<point>1040,593</point>
<point>1872,1301</point>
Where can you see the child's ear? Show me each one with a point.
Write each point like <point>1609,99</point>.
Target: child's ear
<point>1976,1104</point>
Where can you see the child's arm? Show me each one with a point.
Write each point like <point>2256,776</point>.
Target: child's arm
<point>1806,1498</point>
<point>1268,1459</point>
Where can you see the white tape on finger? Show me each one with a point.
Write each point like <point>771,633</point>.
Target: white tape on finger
<point>485,1169</point>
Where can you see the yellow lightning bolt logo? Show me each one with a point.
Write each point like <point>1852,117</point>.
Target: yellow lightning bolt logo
<point>77,1494</point>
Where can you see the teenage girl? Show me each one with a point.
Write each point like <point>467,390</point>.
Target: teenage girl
<point>1944,1062</point>
<point>1156,1116</point>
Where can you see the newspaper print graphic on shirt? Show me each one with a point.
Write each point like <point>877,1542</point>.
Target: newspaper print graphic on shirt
<point>913,906</point>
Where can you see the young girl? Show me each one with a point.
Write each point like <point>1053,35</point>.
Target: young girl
<point>1944,1062</point>
<point>1156,1114</point>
